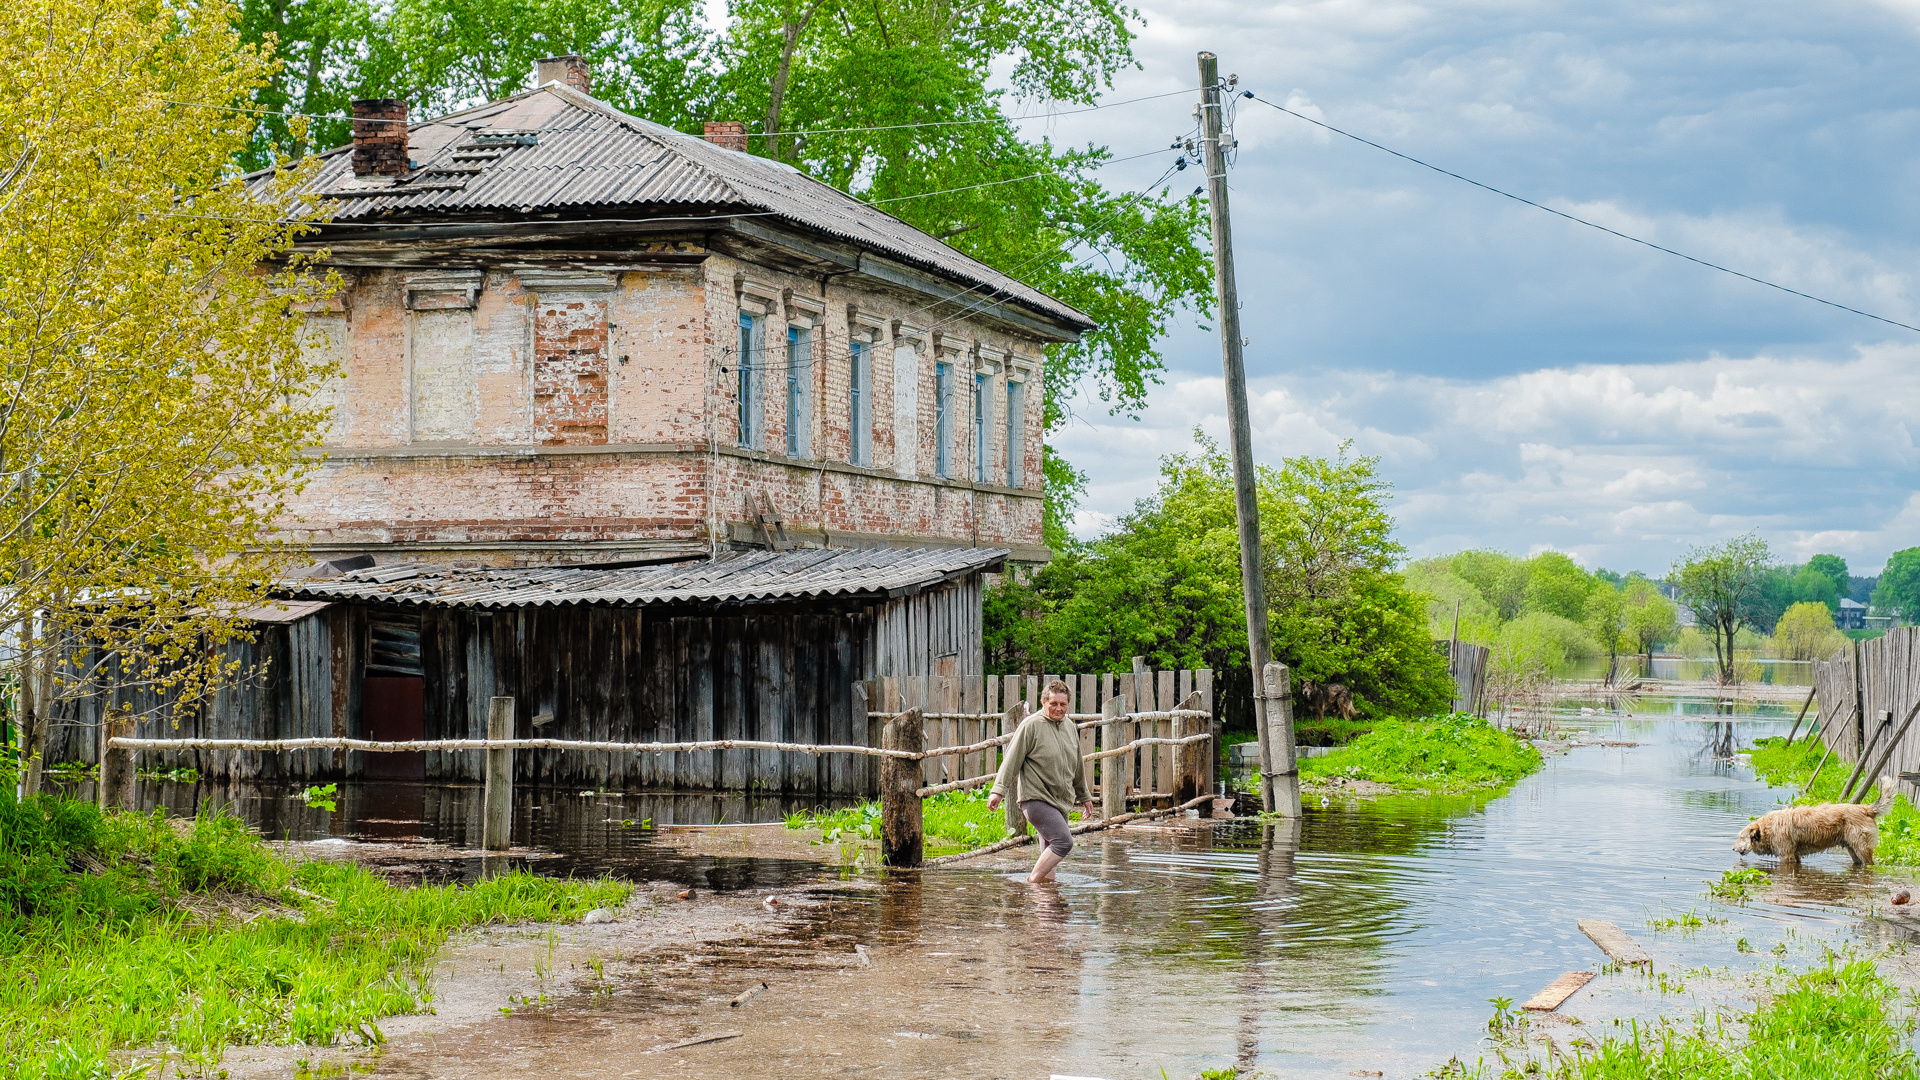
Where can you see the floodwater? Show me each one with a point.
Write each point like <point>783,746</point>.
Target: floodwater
<point>1365,939</point>
<point>1767,670</point>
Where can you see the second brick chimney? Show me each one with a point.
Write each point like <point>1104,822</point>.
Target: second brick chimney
<point>380,137</point>
<point>569,70</point>
<point>731,134</point>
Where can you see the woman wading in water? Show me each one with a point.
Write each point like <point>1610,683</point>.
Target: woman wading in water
<point>1043,769</point>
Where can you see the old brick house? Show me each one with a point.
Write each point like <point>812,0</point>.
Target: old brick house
<point>571,335</point>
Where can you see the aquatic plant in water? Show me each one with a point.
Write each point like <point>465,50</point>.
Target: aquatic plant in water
<point>1451,753</point>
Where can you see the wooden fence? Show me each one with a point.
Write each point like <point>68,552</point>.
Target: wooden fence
<point>963,710</point>
<point>1468,666</point>
<point>902,756</point>
<point>1866,695</point>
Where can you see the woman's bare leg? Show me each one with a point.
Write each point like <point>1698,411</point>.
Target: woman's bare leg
<point>1043,866</point>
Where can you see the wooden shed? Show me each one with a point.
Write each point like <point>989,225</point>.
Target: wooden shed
<point>764,645</point>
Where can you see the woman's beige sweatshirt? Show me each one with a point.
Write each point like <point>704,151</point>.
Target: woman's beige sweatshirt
<point>1044,757</point>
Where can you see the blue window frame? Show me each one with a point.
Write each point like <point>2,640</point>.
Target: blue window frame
<point>943,420</point>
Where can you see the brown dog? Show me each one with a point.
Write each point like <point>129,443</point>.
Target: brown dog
<point>1808,830</point>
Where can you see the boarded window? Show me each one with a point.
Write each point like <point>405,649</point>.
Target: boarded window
<point>570,372</point>
<point>442,389</point>
<point>906,410</point>
<point>395,646</point>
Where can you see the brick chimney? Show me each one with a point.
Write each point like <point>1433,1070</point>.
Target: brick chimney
<point>380,137</point>
<point>730,134</point>
<point>570,70</point>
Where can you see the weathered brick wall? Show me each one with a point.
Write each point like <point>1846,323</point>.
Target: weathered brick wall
<point>619,392</point>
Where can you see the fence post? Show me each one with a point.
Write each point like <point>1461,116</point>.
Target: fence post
<point>900,824</point>
<point>497,811</point>
<point>115,788</point>
<point>1189,761</point>
<point>1113,781</point>
<point>1016,817</point>
<point>1284,780</point>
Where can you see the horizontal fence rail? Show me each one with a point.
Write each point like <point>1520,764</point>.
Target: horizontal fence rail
<point>370,746</point>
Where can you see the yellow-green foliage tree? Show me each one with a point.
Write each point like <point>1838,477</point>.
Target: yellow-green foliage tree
<point>1651,618</point>
<point>151,423</point>
<point>1806,632</point>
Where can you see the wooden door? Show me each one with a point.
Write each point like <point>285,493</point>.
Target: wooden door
<point>394,709</point>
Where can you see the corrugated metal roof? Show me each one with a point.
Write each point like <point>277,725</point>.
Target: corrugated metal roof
<point>576,152</point>
<point>747,578</point>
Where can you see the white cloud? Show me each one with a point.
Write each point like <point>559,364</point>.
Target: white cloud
<point>1626,465</point>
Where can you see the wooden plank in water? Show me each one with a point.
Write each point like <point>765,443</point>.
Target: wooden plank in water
<point>1614,942</point>
<point>1558,991</point>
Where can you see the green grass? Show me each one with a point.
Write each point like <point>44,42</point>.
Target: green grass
<point>951,822</point>
<point>1444,754</point>
<point>132,932</point>
<point>1781,765</point>
<point>1840,1021</point>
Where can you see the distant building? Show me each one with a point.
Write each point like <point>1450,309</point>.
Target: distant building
<point>1851,616</point>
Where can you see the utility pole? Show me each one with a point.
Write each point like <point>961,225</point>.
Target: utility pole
<point>1280,777</point>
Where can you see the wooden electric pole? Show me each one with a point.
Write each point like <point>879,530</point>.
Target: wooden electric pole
<point>1280,777</point>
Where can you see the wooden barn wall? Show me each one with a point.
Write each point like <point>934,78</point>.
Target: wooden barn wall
<point>283,687</point>
<point>772,672</point>
<point>936,632</point>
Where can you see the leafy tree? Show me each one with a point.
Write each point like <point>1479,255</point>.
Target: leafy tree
<point>1810,586</point>
<point>1806,632</point>
<point>1500,579</point>
<point>1899,589</point>
<point>1165,584</point>
<point>152,427</point>
<point>1722,584</point>
<point>1835,569</point>
<point>1606,620</point>
<point>1556,584</point>
<point>1650,618</point>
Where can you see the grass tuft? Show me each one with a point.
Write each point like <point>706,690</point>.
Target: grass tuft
<point>1443,754</point>
<point>952,821</point>
<point>135,931</point>
<point>1840,1021</point>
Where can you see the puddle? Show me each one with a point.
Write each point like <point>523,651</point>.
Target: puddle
<point>1366,938</point>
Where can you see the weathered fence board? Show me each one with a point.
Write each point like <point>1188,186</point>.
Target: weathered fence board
<point>965,710</point>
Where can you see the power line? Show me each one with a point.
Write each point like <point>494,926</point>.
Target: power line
<point>1583,221</point>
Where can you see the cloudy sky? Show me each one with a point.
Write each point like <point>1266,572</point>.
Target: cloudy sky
<point>1526,382</point>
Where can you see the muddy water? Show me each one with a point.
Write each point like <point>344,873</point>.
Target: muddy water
<point>1366,939</point>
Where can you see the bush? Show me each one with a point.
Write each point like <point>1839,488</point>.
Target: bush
<point>1443,754</point>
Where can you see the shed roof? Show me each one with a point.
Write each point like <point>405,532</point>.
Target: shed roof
<point>756,577</point>
<point>555,149</point>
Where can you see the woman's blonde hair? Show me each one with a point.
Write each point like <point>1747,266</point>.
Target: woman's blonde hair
<point>1056,687</point>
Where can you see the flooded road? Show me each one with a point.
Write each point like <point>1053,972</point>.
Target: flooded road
<point>1366,939</point>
